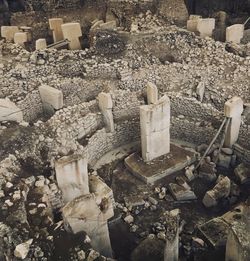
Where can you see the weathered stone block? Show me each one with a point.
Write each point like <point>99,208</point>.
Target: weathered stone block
<point>205,27</point>
<point>51,96</point>
<point>41,44</point>
<point>8,32</point>
<point>72,177</point>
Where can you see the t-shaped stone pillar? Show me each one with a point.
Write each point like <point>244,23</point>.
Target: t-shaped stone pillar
<point>72,32</point>
<point>155,124</point>
<point>106,105</point>
<point>8,32</point>
<point>233,109</point>
<point>205,27</point>
<point>55,26</point>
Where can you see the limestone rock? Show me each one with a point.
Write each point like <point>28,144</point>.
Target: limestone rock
<point>22,250</point>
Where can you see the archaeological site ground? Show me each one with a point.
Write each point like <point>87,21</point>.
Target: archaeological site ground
<point>125,130</point>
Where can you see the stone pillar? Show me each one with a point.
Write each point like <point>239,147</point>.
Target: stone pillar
<point>152,93</point>
<point>41,44</point>
<point>192,23</point>
<point>21,38</point>
<point>233,109</point>
<point>72,32</point>
<point>72,176</point>
<point>155,124</point>
<point>55,26</point>
<point>51,96</point>
<point>106,105</point>
<point>171,251</point>
<point>8,32</point>
<point>84,214</point>
<point>9,111</point>
<point>205,27</point>
<point>235,33</point>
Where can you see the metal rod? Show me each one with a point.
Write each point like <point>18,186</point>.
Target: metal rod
<point>247,20</point>
<point>211,143</point>
<point>223,139</point>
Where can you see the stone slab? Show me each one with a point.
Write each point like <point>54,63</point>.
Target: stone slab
<point>72,177</point>
<point>51,96</point>
<point>161,167</point>
<point>55,26</point>
<point>9,111</point>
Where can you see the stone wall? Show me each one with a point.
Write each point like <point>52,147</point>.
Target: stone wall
<point>31,106</point>
<point>102,142</point>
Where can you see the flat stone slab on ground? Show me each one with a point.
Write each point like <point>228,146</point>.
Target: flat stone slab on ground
<point>181,193</point>
<point>152,171</point>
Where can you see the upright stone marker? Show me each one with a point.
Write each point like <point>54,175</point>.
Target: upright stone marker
<point>51,96</point>
<point>72,32</point>
<point>152,93</point>
<point>55,26</point>
<point>106,105</point>
<point>155,125</point>
<point>233,109</point>
<point>8,32</point>
<point>235,33</point>
<point>205,27</point>
<point>41,44</point>
<point>72,177</point>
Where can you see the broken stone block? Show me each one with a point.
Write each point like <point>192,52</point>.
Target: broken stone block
<point>242,172</point>
<point>233,109</point>
<point>152,93</point>
<point>134,201</point>
<point>84,214</point>
<point>41,44</point>
<point>72,32</point>
<point>8,32</point>
<point>235,33</point>
<point>72,176</point>
<point>224,160</point>
<point>205,27</point>
<point>181,193</point>
<point>155,124</point>
<point>55,26</point>
<point>51,96</point>
<point>21,38</point>
<point>9,111</point>
<point>104,195</point>
<point>22,250</point>
<point>220,190</point>
<point>207,171</point>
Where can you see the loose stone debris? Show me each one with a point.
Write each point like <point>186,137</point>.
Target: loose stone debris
<point>124,130</point>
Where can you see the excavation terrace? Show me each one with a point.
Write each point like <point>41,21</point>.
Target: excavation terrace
<point>124,130</point>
